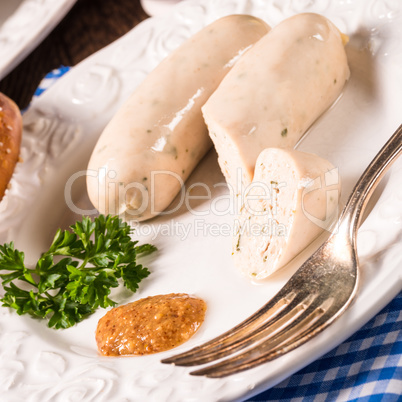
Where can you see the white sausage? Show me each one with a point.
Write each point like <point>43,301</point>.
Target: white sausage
<point>275,92</point>
<point>292,199</point>
<point>161,128</point>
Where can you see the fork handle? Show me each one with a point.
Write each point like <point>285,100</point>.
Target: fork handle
<point>369,180</point>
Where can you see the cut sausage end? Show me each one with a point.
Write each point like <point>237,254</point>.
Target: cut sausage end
<point>275,92</point>
<point>292,199</point>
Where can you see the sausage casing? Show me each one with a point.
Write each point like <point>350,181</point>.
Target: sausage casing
<point>275,92</point>
<point>158,136</point>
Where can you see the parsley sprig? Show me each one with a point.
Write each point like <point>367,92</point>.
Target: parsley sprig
<point>96,255</point>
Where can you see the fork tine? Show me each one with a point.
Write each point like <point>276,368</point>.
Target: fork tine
<point>315,319</point>
<point>261,329</point>
<point>269,311</point>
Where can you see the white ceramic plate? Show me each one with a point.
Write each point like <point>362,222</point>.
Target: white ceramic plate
<point>157,7</point>
<point>60,130</point>
<point>24,24</point>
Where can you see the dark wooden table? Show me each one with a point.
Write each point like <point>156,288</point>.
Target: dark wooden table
<point>89,26</point>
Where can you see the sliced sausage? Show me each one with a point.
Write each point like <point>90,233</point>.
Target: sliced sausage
<point>292,199</point>
<point>275,92</point>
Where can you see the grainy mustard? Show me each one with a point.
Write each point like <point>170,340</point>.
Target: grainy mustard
<point>150,325</point>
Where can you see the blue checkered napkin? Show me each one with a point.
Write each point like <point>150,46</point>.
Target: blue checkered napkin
<point>50,79</point>
<point>366,367</point>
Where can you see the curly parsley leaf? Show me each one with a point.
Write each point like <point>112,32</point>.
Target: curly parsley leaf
<point>96,254</point>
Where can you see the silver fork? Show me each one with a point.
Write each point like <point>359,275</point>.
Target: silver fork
<point>314,297</point>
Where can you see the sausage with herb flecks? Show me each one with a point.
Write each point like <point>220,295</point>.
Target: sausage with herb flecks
<point>293,198</point>
<point>158,136</point>
<point>275,92</point>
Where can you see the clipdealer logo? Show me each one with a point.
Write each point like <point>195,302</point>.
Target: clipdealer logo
<point>133,199</point>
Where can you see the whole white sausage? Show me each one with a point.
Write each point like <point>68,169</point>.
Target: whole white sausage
<point>158,136</point>
<point>291,200</point>
<point>275,92</point>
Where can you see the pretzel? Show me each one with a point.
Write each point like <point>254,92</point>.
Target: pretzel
<point>10,140</point>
